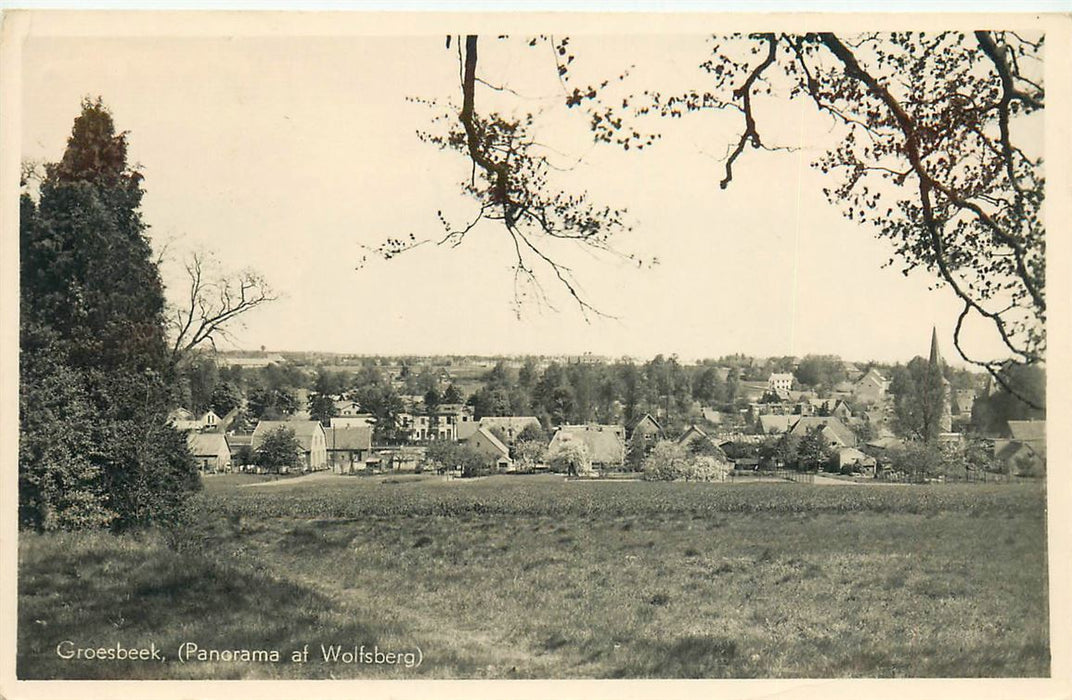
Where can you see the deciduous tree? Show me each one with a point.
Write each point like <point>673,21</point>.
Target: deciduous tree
<point>279,450</point>
<point>213,302</point>
<point>919,395</point>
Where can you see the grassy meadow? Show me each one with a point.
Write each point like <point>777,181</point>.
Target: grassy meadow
<point>536,577</point>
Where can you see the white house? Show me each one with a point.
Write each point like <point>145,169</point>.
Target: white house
<point>779,382</point>
<point>310,437</point>
<point>210,451</point>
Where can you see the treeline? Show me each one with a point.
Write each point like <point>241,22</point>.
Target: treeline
<point>618,392</point>
<point>594,391</point>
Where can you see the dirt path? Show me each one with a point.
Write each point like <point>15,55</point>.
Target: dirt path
<point>303,479</point>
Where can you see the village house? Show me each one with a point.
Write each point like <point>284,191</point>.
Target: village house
<point>441,424</point>
<point>605,443</point>
<point>770,408</point>
<point>187,422</point>
<point>345,407</point>
<point>826,407</point>
<point>310,437</point>
<point>210,451</point>
<point>854,458</point>
<point>692,434</point>
<point>349,414</point>
<point>399,459</point>
<point>239,443</point>
<point>492,448</point>
<point>779,382</point>
<point>1025,450</point>
<point>870,388</point>
<point>348,448</point>
<point>835,433</point>
<point>647,428</point>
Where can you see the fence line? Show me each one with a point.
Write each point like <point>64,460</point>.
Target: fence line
<point>773,474</point>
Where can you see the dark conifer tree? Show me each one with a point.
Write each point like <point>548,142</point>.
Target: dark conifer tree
<point>95,387</point>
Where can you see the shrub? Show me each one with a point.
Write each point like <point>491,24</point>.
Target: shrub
<point>670,461</point>
<point>444,455</point>
<point>571,457</point>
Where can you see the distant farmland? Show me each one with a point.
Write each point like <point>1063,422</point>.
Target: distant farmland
<point>534,577</point>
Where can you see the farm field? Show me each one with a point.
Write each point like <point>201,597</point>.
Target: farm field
<point>535,577</point>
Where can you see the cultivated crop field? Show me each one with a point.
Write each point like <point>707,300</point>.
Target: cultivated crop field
<point>536,577</point>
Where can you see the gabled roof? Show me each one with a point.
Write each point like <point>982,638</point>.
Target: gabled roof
<point>886,443</point>
<point>874,377</point>
<point>180,414</point>
<point>692,432</point>
<point>1028,430</point>
<point>647,419</point>
<point>509,424</point>
<point>206,444</point>
<point>850,455</point>
<point>711,415</point>
<point>605,443</point>
<point>774,423</point>
<point>357,437</point>
<point>494,441</point>
<point>235,440</point>
<point>829,423</point>
<point>466,429</point>
<point>1031,433</point>
<point>304,430</point>
<point>1007,450</point>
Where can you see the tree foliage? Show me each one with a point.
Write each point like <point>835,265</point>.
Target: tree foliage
<point>385,405</point>
<point>813,452</point>
<point>226,396</point>
<point>571,458</point>
<point>95,388</point>
<point>444,455</point>
<point>271,404</point>
<point>991,413</point>
<point>670,461</point>
<point>279,450</point>
<point>321,408</point>
<point>920,393</point>
<point>820,370</point>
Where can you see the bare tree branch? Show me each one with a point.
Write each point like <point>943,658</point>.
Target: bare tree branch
<point>212,305</point>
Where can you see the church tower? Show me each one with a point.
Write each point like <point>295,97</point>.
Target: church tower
<point>945,421</point>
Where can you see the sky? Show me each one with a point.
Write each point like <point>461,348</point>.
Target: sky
<point>291,155</point>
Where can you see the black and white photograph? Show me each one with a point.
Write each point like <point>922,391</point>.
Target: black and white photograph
<point>350,347</point>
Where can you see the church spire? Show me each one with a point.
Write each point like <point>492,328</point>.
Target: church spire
<point>945,418</point>
<point>936,356</point>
